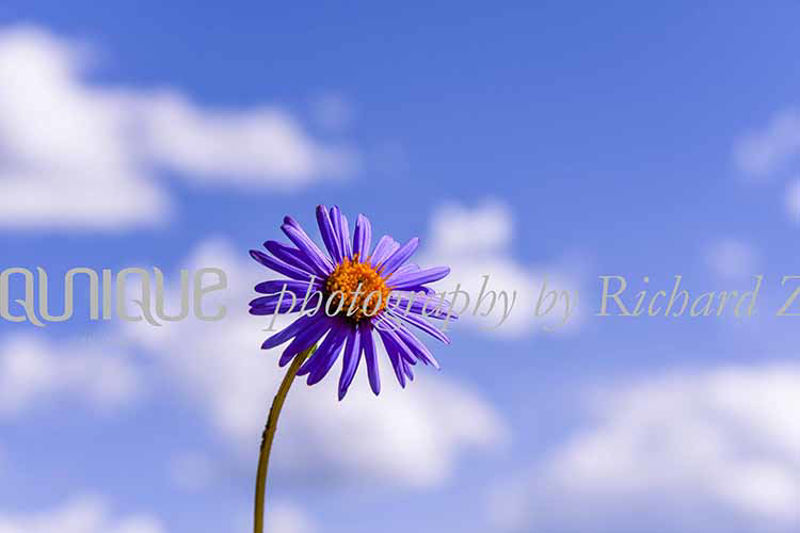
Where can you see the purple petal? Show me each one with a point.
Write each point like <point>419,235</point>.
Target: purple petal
<point>405,269</point>
<point>352,356</point>
<point>412,304</point>
<point>336,221</point>
<point>288,332</point>
<point>362,237</point>
<point>423,325</point>
<point>328,234</point>
<point>295,287</point>
<point>393,330</point>
<point>267,305</point>
<point>305,339</point>
<point>420,288</point>
<point>420,350</point>
<point>407,370</point>
<point>368,343</point>
<point>323,367</point>
<point>308,248</point>
<point>396,350</point>
<point>400,256</point>
<point>279,266</point>
<point>408,280</point>
<point>327,353</point>
<point>385,247</point>
<point>294,257</point>
<point>327,344</point>
<point>344,237</point>
<point>392,351</point>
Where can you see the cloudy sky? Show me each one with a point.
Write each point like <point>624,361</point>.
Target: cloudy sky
<point>531,143</point>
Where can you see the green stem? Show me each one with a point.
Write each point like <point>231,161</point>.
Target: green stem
<point>269,435</point>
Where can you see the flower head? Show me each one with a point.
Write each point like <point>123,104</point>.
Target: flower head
<point>363,293</point>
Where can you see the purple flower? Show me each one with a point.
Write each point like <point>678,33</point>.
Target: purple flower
<point>366,293</point>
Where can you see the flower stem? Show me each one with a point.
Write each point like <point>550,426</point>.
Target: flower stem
<point>269,435</point>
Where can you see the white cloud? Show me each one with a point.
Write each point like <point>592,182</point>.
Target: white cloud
<point>459,230</point>
<point>413,437</point>
<point>35,372</point>
<point>732,259</point>
<point>774,151</point>
<point>84,514</point>
<point>90,513</point>
<point>78,155</point>
<point>258,147</point>
<point>285,517</point>
<point>763,153</point>
<point>722,443</point>
<point>66,159</point>
<point>192,471</point>
<point>476,242</point>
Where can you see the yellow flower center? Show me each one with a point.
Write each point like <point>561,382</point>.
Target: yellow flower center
<point>356,289</point>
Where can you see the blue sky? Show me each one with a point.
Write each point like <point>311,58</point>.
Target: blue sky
<point>601,139</point>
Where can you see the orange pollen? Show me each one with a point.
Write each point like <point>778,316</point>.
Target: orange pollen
<point>353,284</point>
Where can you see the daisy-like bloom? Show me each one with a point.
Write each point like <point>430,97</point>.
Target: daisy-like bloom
<point>370,294</point>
